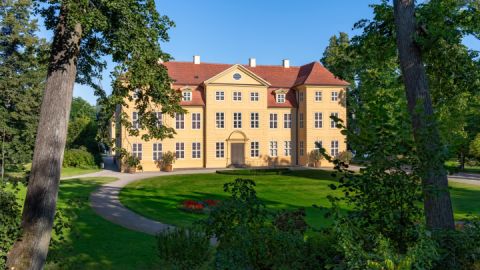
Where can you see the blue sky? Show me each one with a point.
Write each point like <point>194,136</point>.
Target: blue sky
<point>232,31</point>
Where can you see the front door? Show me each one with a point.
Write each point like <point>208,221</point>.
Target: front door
<point>238,153</point>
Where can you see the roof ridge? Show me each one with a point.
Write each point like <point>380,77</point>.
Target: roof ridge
<point>227,64</point>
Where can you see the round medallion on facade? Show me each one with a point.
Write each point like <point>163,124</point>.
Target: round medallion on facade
<point>237,76</point>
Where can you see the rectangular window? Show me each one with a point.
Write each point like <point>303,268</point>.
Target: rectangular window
<point>302,148</point>
<point>180,150</point>
<point>333,123</point>
<point>280,98</point>
<point>195,150</point>
<point>135,122</point>
<point>254,149</point>
<point>220,120</point>
<point>237,96</point>
<point>301,120</point>
<point>157,151</point>
<point>300,96</point>
<point>318,120</point>
<point>334,148</point>
<point>196,120</point>
<point>287,120</point>
<point>288,148</point>
<point>219,95</point>
<point>318,96</point>
<point>237,120</point>
<point>254,96</point>
<point>187,96</point>
<point>334,95</point>
<point>273,149</point>
<point>137,150</point>
<point>273,120</point>
<point>159,116</point>
<point>254,122</point>
<point>179,121</point>
<point>219,149</point>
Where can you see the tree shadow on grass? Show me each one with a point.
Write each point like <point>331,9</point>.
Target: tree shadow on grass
<point>465,200</point>
<point>95,243</point>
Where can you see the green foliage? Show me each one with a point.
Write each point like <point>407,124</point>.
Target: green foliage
<point>10,217</point>
<point>168,158</point>
<point>291,221</point>
<point>82,109</point>
<point>475,147</point>
<point>79,158</point>
<point>180,249</point>
<point>269,171</point>
<point>22,73</point>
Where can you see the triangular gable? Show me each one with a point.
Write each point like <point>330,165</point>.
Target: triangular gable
<point>226,76</point>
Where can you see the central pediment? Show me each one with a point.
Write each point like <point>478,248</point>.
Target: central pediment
<point>239,75</point>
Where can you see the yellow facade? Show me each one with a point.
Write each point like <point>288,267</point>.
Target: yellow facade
<point>256,142</point>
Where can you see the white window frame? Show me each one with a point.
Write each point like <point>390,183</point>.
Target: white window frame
<point>157,151</point>
<point>318,96</point>
<point>334,148</point>
<point>254,149</point>
<point>196,120</point>
<point>179,121</point>
<point>334,96</point>
<point>196,150</point>
<point>287,148</point>
<point>237,120</point>
<point>237,96</point>
<point>220,120</point>
<point>287,120</point>
<point>302,148</point>
<point>280,98</point>
<point>187,96</point>
<point>219,95</point>
<point>301,120</point>
<point>159,116</point>
<point>273,120</point>
<point>137,150</point>
<point>273,150</point>
<point>254,120</point>
<point>301,96</point>
<point>254,96</point>
<point>135,122</point>
<point>333,123</point>
<point>220,150</point>
<point>180,150</point>
<point>318,119</point>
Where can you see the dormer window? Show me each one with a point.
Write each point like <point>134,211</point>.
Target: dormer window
<point>186,93</point>
<point>280,95</point>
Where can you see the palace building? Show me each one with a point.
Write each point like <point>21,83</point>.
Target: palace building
<point>245,115</point>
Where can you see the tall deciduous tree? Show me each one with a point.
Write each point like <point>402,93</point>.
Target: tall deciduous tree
<point>130,32</point>
<point>437,202</point>
<point>22,74</point>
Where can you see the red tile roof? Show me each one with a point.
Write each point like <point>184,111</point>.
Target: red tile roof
<point>188,73</point>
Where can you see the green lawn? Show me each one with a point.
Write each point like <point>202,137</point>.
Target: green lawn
<point>66,172</point>
<point>158,198</point>
<point>95,243</point>
<point>452,165</point>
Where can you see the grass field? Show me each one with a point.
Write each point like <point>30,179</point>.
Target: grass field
<point>95,243</point>
<point>158,198</point>
<point>452,165</point>
<point>66,172</point>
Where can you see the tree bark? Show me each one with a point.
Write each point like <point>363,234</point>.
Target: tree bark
<point>30,251</point>
<point>437,203</point>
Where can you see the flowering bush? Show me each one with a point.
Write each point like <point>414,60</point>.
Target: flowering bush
<point>199,206</point>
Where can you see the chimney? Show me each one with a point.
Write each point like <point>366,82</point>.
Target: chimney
<point>252,62</point>
<point>196,59</point>
<point>286,63</point>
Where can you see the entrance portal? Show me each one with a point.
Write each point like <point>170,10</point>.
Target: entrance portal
<point>237,154</point>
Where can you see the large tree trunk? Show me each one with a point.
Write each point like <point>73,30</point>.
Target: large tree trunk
<point>437,203</point>
<point>30,252</point>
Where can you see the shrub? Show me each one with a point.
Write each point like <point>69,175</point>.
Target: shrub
<point>180,249</point>
<point>10,217</point>
<point>168,158</point>
<point>345,157</point>
<point>475,147</point>
<point>79,158</point>
<point>315,156</point>
<point>291,221</point>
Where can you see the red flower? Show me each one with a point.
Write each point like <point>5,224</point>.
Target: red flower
<point>211,203</point>
<point>192,205</point>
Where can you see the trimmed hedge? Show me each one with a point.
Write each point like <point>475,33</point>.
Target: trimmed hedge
<point>272,171</point>
<point>79,158</point>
